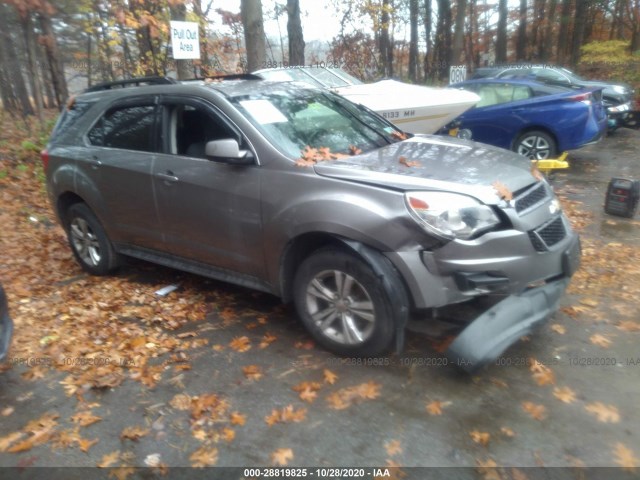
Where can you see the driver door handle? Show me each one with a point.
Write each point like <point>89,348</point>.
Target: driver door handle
<point>168,176</point>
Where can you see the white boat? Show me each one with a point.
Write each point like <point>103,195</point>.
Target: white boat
<point>413,108</point>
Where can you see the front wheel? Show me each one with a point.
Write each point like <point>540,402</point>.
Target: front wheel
<point>89,242</point>
<point>343,304</point>
<point>536,145</point>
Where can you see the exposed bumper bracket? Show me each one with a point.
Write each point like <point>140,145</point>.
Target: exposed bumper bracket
<point>490,334</point>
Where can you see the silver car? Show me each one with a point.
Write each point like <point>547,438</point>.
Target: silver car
<point>298,192</point>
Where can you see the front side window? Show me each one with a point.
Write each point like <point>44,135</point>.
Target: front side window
<point>129,128</point>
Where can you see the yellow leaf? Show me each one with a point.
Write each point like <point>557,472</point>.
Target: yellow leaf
<point>134,433</point>
<point>9,439</point>
<point>538,412</point>
<point>240,344</point>
<point>604,413</point>
<point>252,372</point>
<point>308,395</point>
<point>181,401</point>
<point>393,447</point>
<point>86,444</point>
<point>329,376</point>
<point>281,456</point>
<point>600,340</point>
<point>109,459</point>
<point>408,163</point>
<point>84,419</point>
<point>628,326</point>
<point>556,327</point>
<point>564,394</point>
<point>507,432</point>
<point>626,458</point>
<point>480,437</point>
<point>238,419</point>
<point>204,457</point>
<point>502,191</point>
<point>435,407</point>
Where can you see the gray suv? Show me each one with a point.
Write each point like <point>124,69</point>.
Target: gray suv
<point>295,191</point>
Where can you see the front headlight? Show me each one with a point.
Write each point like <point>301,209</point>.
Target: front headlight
<point>450,215</point>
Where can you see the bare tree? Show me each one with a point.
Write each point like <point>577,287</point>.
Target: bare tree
<point>48,40</point>
<point>294,30</point>
<point>521,43</point>
<point>251,11</point>
<point>578,30</point>
<point>443,39</point>
<point>386,47</point>
<point>547,48</point>
<point>458,35</point>
<point>563,35</point>
<point>413,40</point>
<point>501,36</point>
<point>428,56</point>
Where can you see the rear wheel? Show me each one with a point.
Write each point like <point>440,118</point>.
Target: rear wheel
<point>536,145</point>
<point>89,242</point>
<point>343,304</point>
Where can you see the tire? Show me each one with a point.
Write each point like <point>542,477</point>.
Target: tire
<point>89,242</point>
<point>536,145</point>
<point>331,317</point>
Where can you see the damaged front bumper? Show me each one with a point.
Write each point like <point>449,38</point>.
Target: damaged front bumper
<point>495,330</point>
<point>490,334</point>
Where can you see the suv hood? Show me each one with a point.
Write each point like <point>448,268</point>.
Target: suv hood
<point>427,162</point>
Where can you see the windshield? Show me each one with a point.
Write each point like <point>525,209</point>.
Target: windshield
<point>294,119</point>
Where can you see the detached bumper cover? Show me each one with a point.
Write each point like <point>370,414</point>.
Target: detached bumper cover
<point>6,325</point>
<point>503,324</point>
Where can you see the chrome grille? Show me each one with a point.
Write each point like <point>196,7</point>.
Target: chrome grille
<point>548,234</point>
<point>531,197</point>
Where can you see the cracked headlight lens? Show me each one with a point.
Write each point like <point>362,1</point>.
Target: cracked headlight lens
<point>450,215</point>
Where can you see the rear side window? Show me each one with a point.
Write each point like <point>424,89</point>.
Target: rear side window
<point>129,128</point>
<point>69,117</point>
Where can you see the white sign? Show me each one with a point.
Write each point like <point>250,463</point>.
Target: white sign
<point>185,40</point>
<point>457,74</point>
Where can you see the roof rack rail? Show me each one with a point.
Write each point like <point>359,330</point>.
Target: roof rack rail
<point>231,76</point>
<point>131,81</point>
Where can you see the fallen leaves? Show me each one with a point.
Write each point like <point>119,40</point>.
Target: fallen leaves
<point>480,437</point>
<point>204,457</point>
<point>252,372</point>
<point>625,457</point>
<point>287,414</point>
<point>628,326</point>
<point>600,340</point>
<point>309,156</point>
<point>535,411</point>
<point>240,344</point>
<point>408,163</point>
<point>435,407</point>
<point>329,376</point>
<point>238,418</point>
<point>542,374</point>
<point>109,459</point>
<point>502,191</point>
<point>208,407</point>
<point>604,413</point>
<point>84,419</point>
<point>345,397</point>
<point>134,433</point>
<point>564,394</point>
<point>281,456</point>
<point>559,329</point>
<point>393,447</point>
<point>181,401</point>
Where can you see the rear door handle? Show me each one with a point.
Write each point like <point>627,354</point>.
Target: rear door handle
<point>167,177</point>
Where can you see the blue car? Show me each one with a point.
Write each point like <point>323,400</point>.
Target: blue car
<point>535,120</point>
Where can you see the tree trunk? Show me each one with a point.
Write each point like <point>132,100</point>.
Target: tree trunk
<point>148,63</point>
<point>34,78</point>
<point>578,31</point>
<point>473,58</point>
<point>386,49</point>
<point>53,57</point>
<point>9,99</point>
<point>501,36</point>
<point>458,36</point>
<point>547,47</point>
<point>205,67</point>
<point>443,39</point>
<point>251,11</point>
<point>563,35</point>
<point>413,40</point>
<point>428,56</point>
<point>537,35</point>
<point>294,30</point>
<point>50,100</point>
<point>521,43</point>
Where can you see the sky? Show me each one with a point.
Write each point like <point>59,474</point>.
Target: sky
<point>319,21</point>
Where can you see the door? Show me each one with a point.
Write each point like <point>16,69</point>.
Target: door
<point>119,164</point>
<point>209,210</point>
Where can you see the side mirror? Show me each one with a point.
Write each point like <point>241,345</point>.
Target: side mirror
<point>228,151</point>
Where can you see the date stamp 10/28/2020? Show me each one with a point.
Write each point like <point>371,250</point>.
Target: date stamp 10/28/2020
<point>437,361</point>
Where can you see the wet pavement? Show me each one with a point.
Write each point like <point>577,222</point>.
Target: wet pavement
<point>241,399</point>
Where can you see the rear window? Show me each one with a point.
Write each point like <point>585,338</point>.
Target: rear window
<point>129,128</point>
<point>69,117</point>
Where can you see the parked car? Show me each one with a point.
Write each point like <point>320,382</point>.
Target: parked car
<point>413,108</point>
<point>617,97</point>
<point>6,325</point>
<point>295,191</point>
<point>534,120</point>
